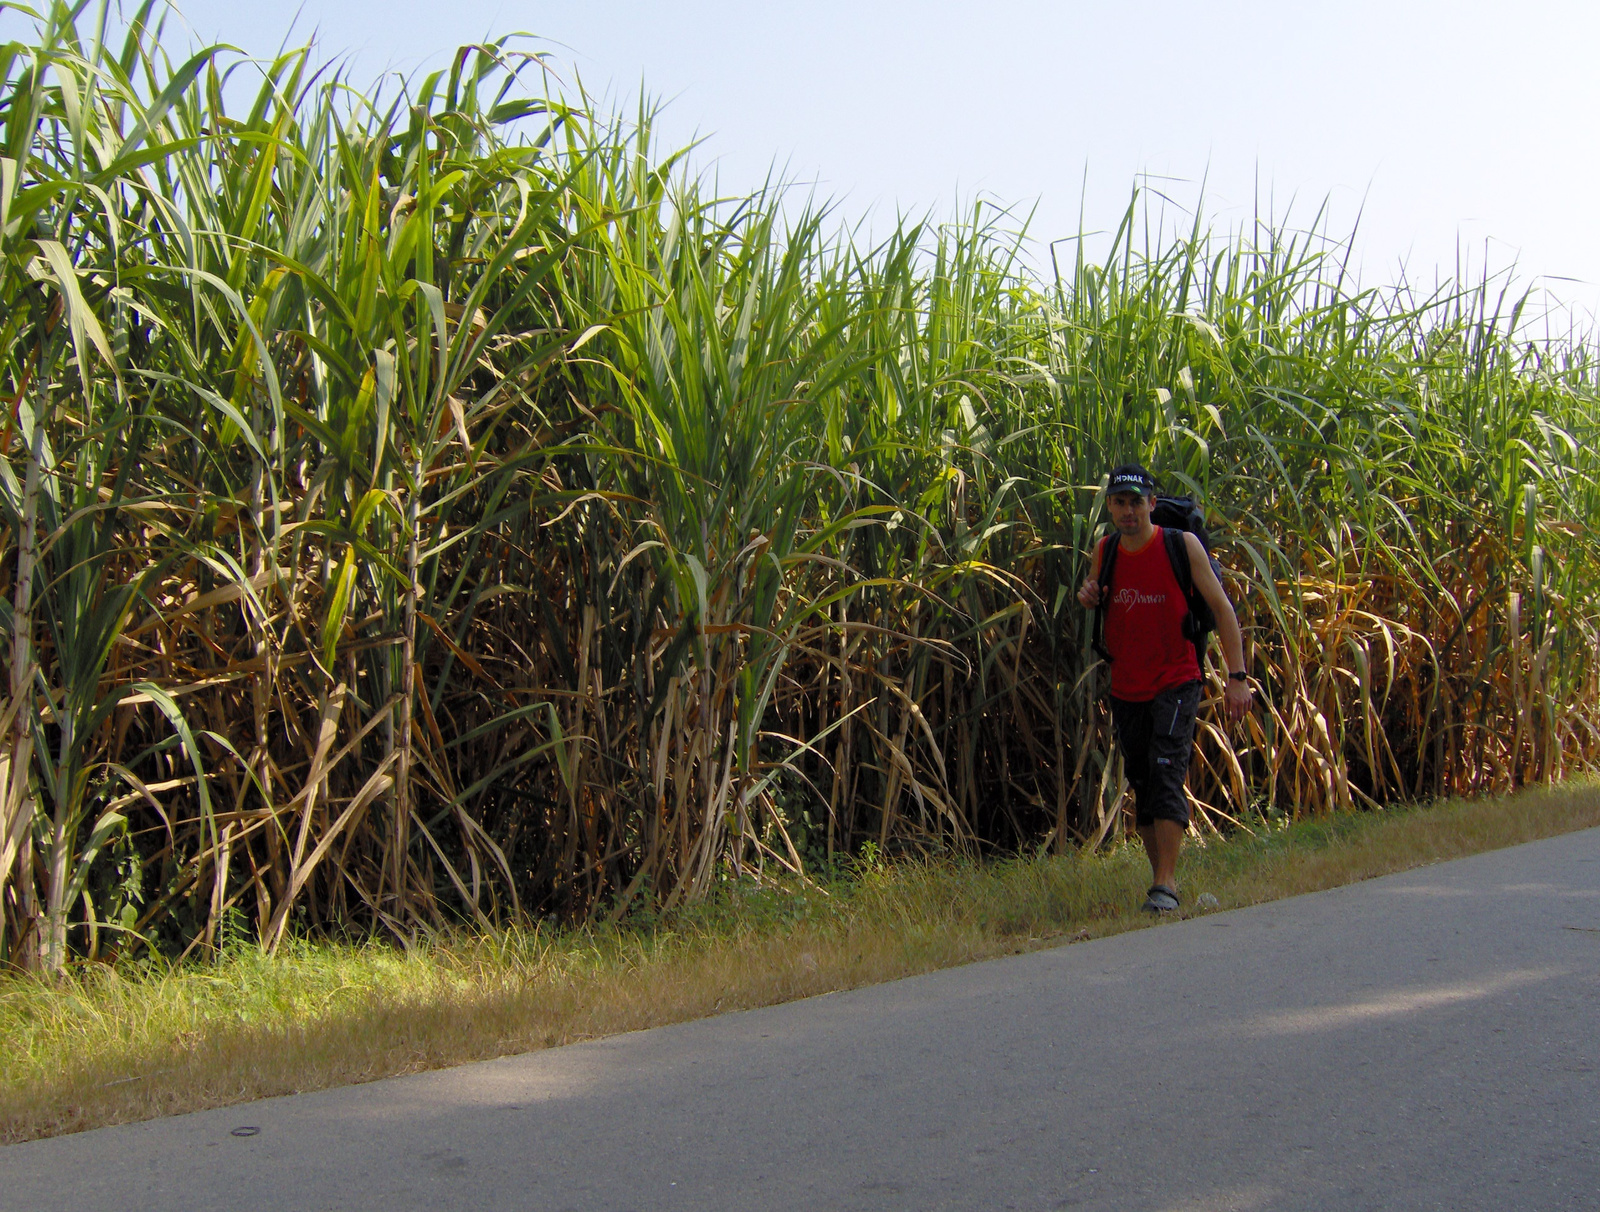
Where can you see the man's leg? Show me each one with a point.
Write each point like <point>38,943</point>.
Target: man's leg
<point>1171,745</point>
<point>1162,841</point>
<point>1135,723</point>
<point>1132,722</point>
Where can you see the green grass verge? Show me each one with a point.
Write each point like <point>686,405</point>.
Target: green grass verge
<point>111,1045</point>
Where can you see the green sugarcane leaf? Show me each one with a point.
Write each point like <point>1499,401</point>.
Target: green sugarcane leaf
<point>338,606</point>
<point>80,317</point>
<point>110,823</point>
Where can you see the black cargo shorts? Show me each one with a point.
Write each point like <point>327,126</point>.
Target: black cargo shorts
<point>1157,739</point>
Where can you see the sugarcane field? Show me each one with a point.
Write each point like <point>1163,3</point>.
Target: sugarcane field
<point>439,507</point>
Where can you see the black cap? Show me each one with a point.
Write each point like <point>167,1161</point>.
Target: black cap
<point>1130,477</point>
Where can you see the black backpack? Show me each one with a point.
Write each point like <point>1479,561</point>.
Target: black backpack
<point>1174,515</point>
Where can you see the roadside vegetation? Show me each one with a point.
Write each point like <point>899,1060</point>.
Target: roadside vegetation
<point>429,511</point>
<point>105,1044</point>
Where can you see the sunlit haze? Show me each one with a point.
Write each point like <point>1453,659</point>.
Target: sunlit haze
<point>1460,128</point>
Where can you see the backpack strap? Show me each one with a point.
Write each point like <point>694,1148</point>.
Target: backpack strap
<point>1109,546</point>
<point>1201,620</point>
<point>1178,557</point>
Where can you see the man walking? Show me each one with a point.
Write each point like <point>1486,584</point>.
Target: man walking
<point>1155,670</point>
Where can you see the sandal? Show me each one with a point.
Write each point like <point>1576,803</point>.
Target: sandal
<point>1161,899</point>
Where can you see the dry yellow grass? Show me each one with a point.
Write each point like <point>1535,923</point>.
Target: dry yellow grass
<point>110,1046</point>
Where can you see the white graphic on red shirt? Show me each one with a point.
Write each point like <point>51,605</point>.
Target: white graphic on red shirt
<point>1129,596</point>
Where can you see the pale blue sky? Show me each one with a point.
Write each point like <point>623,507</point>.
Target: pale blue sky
<point>1451,120</point>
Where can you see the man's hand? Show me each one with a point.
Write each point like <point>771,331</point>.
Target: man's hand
<point>1089,593</point>
<point>1237,700</point>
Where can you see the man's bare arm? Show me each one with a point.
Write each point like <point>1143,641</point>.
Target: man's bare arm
<point>1239,694</point>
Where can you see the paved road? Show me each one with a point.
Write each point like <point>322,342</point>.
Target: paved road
<point>1427,1040</point>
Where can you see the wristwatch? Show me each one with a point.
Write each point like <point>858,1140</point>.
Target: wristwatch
<point>1238,675</point>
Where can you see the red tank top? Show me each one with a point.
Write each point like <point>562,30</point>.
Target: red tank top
<point>1144,625</point>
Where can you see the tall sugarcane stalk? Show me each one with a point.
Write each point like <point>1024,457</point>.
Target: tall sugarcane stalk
<point>26,946</point>
<point>401,840</point>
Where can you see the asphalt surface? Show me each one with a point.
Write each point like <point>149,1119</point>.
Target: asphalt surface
<point>1426,1040</point>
